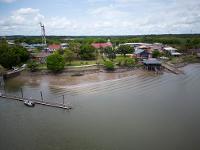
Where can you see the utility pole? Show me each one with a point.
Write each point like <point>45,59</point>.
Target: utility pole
<point>43,34</point>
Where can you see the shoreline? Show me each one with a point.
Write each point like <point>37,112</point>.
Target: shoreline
<point>67,79</point>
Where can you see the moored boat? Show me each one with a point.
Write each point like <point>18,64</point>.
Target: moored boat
<point>29,103</point>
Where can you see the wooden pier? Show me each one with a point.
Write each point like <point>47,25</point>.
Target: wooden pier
<point>39,102</point>
<point>171,68</point>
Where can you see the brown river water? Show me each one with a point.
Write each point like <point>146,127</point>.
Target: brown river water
<point>111,111</point>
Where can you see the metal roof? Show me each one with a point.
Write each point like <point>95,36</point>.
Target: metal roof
<point>138,51</point>
<point>152,61</point>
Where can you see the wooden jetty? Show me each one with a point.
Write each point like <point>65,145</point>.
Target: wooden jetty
<point>13,73</point>
<point>171,68</point>
<point>44,103</point>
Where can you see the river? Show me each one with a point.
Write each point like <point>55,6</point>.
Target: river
<point>140,111</point>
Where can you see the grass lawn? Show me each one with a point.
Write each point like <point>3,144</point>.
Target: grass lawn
<point>84,62</point>
<point>183,59</point>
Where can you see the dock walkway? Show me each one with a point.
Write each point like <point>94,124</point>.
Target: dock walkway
<point>171,68</point>
<point>44,103</point>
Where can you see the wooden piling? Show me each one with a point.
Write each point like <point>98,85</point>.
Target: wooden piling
<point>50,104</point>
<point>41,96</point>
<point>22,93</point>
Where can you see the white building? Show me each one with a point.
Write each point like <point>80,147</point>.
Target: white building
<point>64,45</point>
<point>172,51</point>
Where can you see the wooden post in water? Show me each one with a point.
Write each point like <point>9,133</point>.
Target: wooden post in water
<point>41,95</point>
<point>63,99</point>
<point>4,89</point>
<point>22,92</point>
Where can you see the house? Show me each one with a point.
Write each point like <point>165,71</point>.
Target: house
<point>11,42</point>
<point>64,45</point>
<point>101,45</point>
<point>32,46</point>
<point>172,51</point>
<point>195,51</point>
<point>54,47</point>
<point>135,45</point>
<point>25,45</point>
<point>152,64</point>
<point>144,50</point>
<point>141,53</point>
<point>40,57</point>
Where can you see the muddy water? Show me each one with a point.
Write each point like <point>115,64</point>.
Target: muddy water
<point>134,110</point>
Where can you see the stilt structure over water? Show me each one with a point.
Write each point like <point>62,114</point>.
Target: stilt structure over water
<point>152,64</point>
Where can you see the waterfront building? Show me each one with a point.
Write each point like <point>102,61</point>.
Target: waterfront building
<point>102,45</point>
<point>54,47</point>
<point>172,51</point>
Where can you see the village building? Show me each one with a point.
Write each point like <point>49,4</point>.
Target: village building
<point>172,51</point>
<point>40,57</point>
<point>54,47</point>
<point>102,45</point>
<point>144,50</point>
<point>64,45</point>
<point>152,64</point>
<point>11,42</point>
<point>195,51</point>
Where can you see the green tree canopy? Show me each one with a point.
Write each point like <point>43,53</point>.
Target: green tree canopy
<point>75,47</point>
<point>110,52</point>
<point>12,55</point>
<point>125,49</point>
<point>69,55</point>
<point>32,65</point>
<point>87,52</point>
<point>55,62</point>
<point>109,65</point>
<point>156,54</point>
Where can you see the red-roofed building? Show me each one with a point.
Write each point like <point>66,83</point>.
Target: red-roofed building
<point>54,47</point>
<point>101,45</point>
<point>40,57</point>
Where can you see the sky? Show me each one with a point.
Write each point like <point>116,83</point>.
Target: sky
<point>99,17</point>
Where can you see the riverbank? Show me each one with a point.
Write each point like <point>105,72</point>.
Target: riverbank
<point>182,61</point>
<point>86,74</point>
<point>68,79</point>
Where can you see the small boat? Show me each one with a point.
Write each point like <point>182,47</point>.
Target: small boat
<point>29,103</point>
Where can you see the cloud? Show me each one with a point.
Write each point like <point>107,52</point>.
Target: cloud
<point>119,18</point>
<point>7,1</point>
<point>21,21</point>
<point>26,21</point>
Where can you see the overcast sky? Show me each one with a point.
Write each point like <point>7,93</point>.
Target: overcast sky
<point>99,17</point>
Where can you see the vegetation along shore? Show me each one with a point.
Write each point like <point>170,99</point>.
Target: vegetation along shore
<point>76,56</point>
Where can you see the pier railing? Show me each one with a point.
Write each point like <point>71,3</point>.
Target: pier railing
<point>36,101</point>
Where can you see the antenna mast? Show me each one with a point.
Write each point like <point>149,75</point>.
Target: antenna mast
<point>43,34</point>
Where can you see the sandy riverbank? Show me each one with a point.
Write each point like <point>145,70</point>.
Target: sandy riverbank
<point>66,79</point>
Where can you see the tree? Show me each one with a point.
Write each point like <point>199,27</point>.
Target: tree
<point>69,55</point>
<point>32,65</point>
<point>87,52</point>
<point>75,47</point>
<point>129,62</point>
<point>125,49</point>
<point>109,65</point>
<point>55,62</point>
<point>156,54</point>
<point>110,53</point>
<point>12,55</point>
